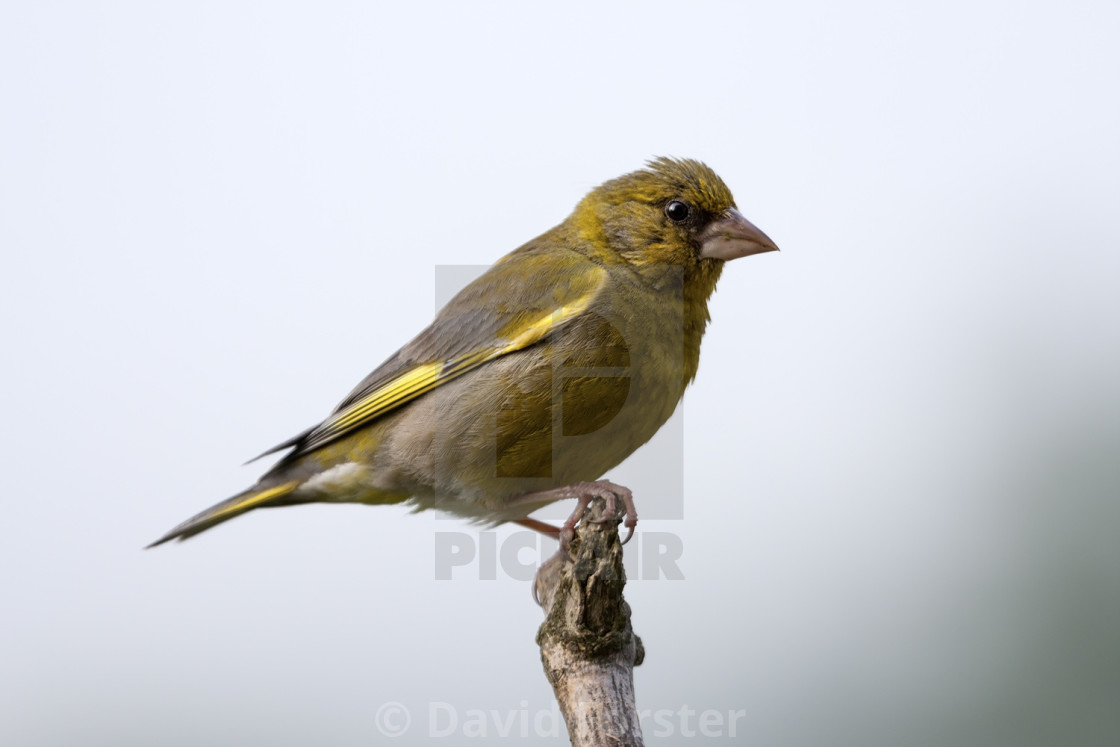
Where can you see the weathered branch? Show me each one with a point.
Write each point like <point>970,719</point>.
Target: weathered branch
<point>588,648</point>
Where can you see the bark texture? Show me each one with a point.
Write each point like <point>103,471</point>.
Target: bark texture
<point>588,648</point>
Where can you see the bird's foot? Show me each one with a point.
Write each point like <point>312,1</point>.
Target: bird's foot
<point>584,493</point>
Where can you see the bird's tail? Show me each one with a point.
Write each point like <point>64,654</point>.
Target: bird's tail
<point>254,497</point>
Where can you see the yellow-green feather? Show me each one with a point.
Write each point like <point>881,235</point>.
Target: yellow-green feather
<point>226,510</point>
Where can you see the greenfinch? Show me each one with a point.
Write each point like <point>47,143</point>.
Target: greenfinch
<point>538,377</point>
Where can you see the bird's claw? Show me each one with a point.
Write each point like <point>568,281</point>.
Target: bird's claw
<point>611,493</point>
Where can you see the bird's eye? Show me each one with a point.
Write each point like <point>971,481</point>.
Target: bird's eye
<point>677,211</point>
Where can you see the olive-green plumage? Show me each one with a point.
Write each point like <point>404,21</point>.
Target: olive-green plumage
<point>549,369</point>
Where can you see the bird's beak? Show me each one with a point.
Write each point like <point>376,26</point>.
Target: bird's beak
<point>732,236</point>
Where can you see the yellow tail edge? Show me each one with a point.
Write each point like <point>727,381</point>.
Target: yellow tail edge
<point>226,510</point>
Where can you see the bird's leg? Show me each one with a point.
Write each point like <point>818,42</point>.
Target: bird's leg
<point>584,493</point>
<point>539,526</point>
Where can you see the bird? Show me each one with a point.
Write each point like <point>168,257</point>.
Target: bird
<point>538,377</point>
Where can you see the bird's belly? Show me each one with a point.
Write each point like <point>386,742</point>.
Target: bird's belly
<point>523,424</point>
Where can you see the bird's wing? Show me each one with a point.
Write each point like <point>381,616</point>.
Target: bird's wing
<point>518,302</point>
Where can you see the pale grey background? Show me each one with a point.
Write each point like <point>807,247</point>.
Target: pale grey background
<point>901,454</point>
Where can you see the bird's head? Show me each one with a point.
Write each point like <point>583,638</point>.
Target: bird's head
<point>673,212</point>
